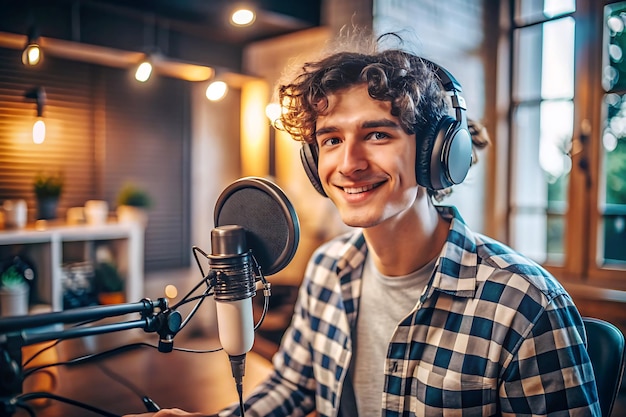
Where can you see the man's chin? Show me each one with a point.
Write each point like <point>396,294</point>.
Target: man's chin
<point>355,220</point>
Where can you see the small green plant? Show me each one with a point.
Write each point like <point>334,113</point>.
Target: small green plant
<point>107,278</point>
<point>11,277</point>
<point>48,185</point>
<point>132,195</point>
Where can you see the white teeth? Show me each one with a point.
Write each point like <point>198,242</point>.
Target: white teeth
<point>356,190</point>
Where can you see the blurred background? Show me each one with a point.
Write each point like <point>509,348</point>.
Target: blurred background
<point>544,76</point>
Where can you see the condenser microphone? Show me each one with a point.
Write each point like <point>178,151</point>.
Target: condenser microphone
<point>256,230</point>
<point>234,286</point>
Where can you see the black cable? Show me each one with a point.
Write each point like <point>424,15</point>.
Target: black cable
<point>86,358</point>
<point>195,308</point>
<point>120,380</point>
<point>101,355</point>
<point>110,352</point>
<point>147,401</point>
<point>195,251</point>
<point>187,297</point>
<point>40,351</point>
<point>240,394</point>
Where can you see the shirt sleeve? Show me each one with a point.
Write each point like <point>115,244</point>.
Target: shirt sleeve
<point>550,373</point>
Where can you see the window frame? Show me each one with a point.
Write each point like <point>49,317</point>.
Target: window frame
<point>583,217</point>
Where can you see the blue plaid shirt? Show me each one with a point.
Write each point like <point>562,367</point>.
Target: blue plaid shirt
<point>493,334</point>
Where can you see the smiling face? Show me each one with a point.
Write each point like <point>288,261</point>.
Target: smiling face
<point>366,160</point>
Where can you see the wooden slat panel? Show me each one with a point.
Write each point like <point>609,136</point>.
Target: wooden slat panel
<point>147,143</point>
<point>103,129</point>
<point>69,128</point>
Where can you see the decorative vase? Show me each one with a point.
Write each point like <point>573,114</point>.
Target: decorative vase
<point>96,211</point>
<point>14,300</point>
<point>47,208</point>
<point>132,214</point>
<point>15,214</point>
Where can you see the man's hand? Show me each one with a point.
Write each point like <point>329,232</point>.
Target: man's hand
<point>171,412</point>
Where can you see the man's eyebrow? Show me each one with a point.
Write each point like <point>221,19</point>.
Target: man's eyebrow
<point>365,125</point>
<point>324,130</point>
<point>380,123</point>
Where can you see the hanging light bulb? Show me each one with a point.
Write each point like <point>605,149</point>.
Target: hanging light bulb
<point>39,127</point>
<point>39,131</point>
<point>216,90</point>
<point>32,54</point>
<point>144,70</point>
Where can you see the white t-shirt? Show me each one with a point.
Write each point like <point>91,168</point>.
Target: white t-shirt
<point>385,301</point>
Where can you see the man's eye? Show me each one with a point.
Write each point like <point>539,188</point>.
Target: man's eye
<point>330,141</point>
<point>378,135</point>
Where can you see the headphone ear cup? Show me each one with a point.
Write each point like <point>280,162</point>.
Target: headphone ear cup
<point>444,156</point>
<point>308,156</point>
<point>456,155</point>
<point>424,151</point>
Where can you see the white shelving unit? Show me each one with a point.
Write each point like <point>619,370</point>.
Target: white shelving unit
<point>51,247</point>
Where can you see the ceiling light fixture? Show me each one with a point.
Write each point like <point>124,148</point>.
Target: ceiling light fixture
<point>216,90</point>
<point>243,16</point>
<point>39,127</point>
<point>32,54</point>
<point>144,70</point>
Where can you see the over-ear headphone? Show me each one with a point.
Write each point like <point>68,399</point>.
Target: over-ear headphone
<point>444,156</point>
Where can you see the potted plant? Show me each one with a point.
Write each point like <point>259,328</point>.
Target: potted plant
<point>13,292</point>
<point>108,284</point>
<point>48,189</point>
<point>132,203</point>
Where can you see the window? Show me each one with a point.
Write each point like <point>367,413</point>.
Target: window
<point>612,201</point>
<point>568,137</point>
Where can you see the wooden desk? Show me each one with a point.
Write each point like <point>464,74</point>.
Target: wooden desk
<point>190,381</point>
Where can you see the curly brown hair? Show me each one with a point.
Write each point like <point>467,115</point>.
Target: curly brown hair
<point>399,77</point>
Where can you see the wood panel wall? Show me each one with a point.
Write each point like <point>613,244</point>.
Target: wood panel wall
<point>69,122</point>
<point>103,129</point>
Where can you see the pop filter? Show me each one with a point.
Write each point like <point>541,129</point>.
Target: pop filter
<point>264,211</point>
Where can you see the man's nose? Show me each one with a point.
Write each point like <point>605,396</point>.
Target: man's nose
<point>353,158</point>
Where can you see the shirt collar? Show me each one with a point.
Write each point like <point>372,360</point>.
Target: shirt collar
<point>457,266</point>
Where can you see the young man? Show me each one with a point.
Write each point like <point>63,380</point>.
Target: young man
<point>412,314</point>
